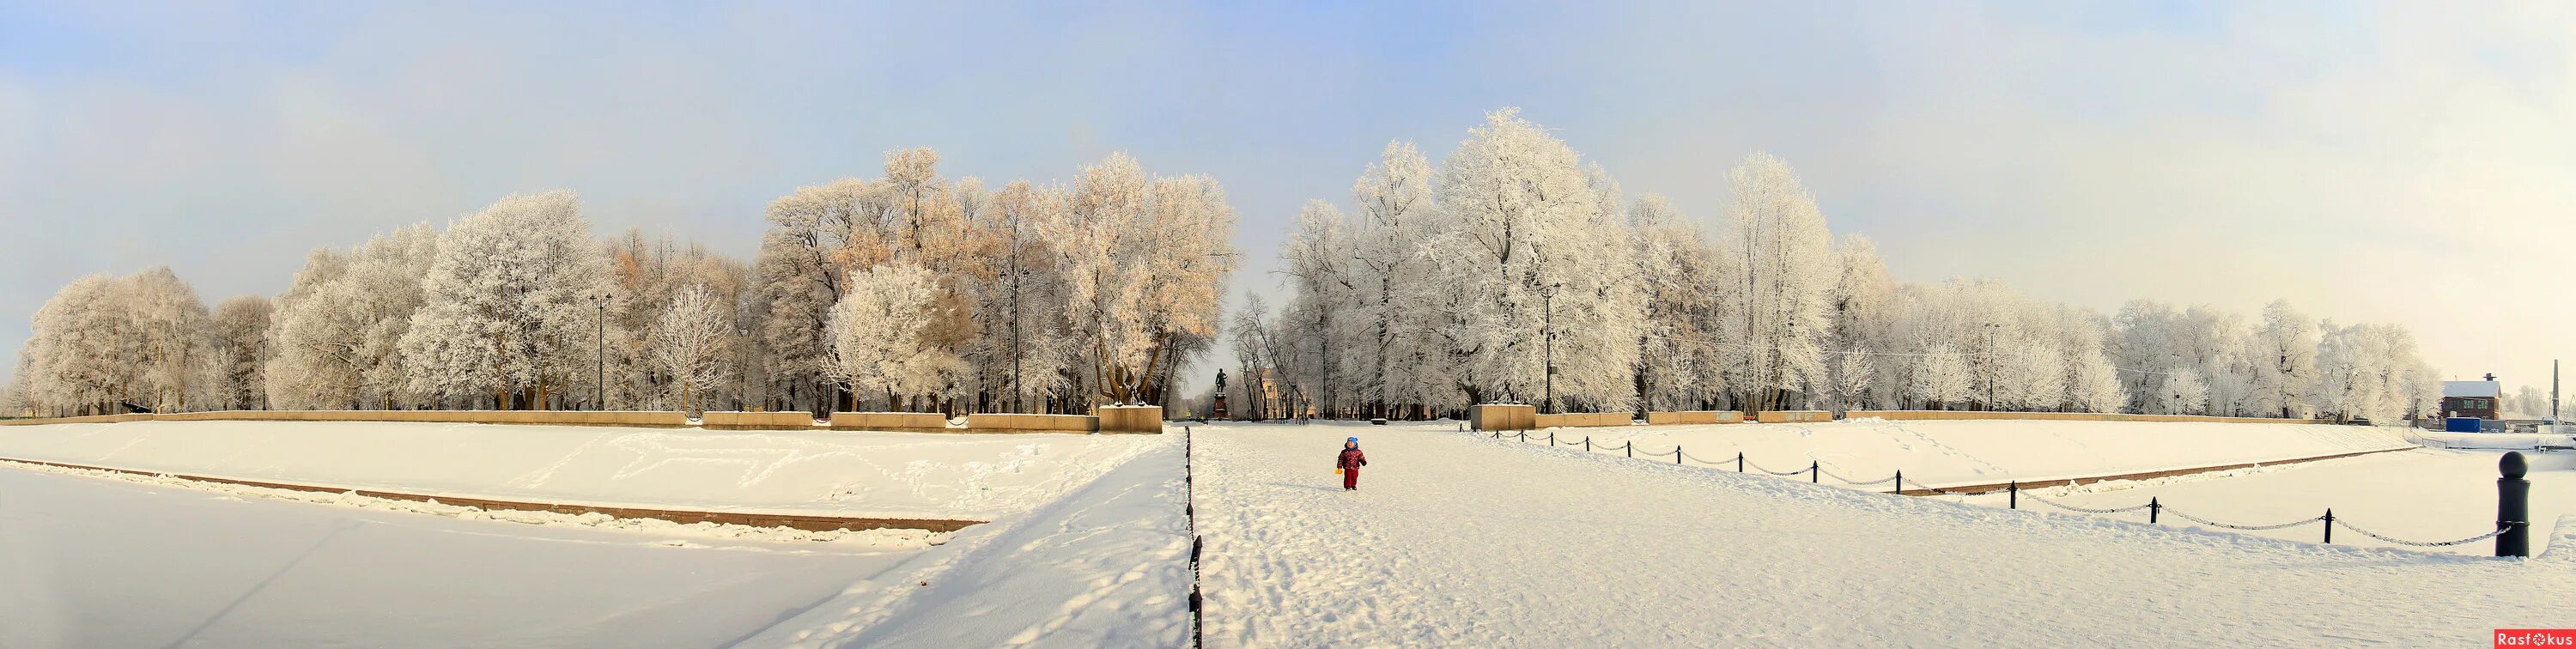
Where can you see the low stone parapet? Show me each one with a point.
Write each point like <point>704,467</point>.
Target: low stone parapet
<point>92,419</point>
<point>1688,417</point>
<point>720,420</point>
<point>1024,423</point>
<point>918,422</point>
<point>1571,419</point>
<point>1794,416</point>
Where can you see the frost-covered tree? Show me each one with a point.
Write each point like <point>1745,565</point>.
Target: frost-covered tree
<point>1789,275</point>
<point>2092,382</point>
<point>2529,402</point>
<point>77,361</point>
<point>1321,279</point>
<point>690,345</point>
<point>170,323</point>
<point>106,341</point>
<point>2182,393</point>
<point>2033,374</point>
<point>1529,241</point>
<point>877,332</point>
<point>317,364</point>
<point>1864,303</point>
<point>14,399</point>
<point>1023,348</point>
<point>1142,260</point>
<point>337,330</point>
<point>1941,377</point>
<point>238,344</point>
<point>508,305</point>
<point>1389,341</point>
<point>2284,362</point>
<point>1678,364</point>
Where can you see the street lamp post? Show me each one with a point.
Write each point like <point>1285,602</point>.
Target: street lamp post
<point>601,301</point>
<point>1990,366</point>
<point>1547,298</point>
<point>742,368</point>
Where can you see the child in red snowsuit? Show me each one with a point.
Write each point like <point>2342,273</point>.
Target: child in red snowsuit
<point>1350,463</point>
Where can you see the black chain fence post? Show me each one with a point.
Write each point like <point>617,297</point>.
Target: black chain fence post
<point>1677,454</point>
<point>1900,483</point>
<point>1190,517</point>
<point>1813,475</point>
<point>1739,461</point>
<point>2153,508</point>
<point>2013,488</point>
<point>1587,443</point>
<point>2329,520</point>
<point>1632,449</point>
<point>2513,507</point>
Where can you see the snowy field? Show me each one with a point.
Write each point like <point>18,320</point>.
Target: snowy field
<point>1459,540</point>
<point>117,562</point>
<point>840,473</point>
<point>1456,539</point>
<point>2425,495</point>
<point>1939,453</point>
<point>2517,441</point>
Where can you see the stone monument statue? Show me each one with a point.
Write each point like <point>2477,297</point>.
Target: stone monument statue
<point>1220,396</point>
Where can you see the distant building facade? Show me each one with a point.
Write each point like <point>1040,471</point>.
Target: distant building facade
<point>2475,399</point>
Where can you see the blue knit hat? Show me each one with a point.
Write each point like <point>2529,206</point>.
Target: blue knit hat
<point>1354,440</point>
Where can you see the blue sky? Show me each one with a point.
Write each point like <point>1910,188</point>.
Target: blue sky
<point>2365,161</point>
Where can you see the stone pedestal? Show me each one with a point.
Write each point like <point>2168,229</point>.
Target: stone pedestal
<point>1502,416</point>
<point>1130,419</point>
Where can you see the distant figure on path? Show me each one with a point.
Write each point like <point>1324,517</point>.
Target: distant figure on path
<point>1350,463</point>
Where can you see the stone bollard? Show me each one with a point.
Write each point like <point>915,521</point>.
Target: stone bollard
<point>2513,507</point>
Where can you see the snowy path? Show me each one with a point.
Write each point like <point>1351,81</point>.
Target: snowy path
<point>1459,540</point>
<point>106,562</point>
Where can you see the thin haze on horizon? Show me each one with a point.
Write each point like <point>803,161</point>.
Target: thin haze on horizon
<point>2404,163</point>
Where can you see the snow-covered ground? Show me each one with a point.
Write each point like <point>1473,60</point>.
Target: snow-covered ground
<point>1459,540</point>
<point>1107,566</point>
<point>1456,539</point>
<point>1939,453</point>
<point>2424,496</point>
<point>117,562</point>
<point>841,473</point>
<point>2491,440</point>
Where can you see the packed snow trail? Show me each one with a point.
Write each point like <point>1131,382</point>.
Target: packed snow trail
<point>1455,539</point>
